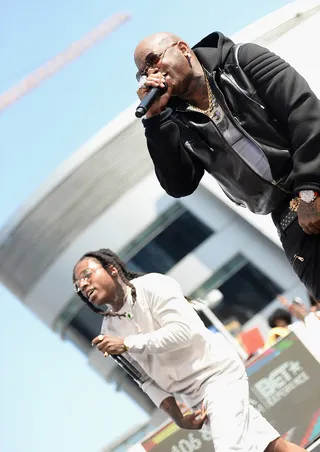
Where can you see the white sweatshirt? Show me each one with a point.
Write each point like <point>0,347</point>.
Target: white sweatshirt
<point>170,343</point>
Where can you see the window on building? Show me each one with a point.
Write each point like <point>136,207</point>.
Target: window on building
<point>175,234</point>
<point>246,290</point>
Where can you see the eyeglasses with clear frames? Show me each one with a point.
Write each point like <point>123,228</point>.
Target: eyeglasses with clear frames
<point>85,277</point>
<point>151,60</point>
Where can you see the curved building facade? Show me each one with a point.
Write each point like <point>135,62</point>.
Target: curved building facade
<point>106,195</point>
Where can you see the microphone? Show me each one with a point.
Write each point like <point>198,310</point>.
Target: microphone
<point>148,100</point>
<point>128,368</point>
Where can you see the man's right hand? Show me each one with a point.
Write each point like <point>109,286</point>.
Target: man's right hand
<point>193,421</point>
<point>156,79</point>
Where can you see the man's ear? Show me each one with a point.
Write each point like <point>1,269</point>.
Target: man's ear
<point>113,270</point>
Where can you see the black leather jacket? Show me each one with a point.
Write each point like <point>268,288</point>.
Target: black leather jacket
<point>264,98</point>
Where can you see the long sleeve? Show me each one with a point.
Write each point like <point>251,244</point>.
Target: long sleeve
<point>153,391</point>
<point>290,99</point>
<point>176,318</point>
<point>178,171</point>
<point>147,384</point>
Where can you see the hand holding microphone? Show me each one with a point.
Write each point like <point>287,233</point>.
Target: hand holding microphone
<point>109,345</point>
<point>154,94</point>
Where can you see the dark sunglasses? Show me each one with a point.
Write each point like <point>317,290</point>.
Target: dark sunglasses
<point>151,60</point>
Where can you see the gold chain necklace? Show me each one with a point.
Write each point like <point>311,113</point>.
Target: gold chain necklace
<point>211,111</point>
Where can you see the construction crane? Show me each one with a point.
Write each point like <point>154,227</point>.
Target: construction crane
<point>76,49</point>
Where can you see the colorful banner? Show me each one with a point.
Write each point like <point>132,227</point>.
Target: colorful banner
<point>172,439</point>
<point>284,387</point>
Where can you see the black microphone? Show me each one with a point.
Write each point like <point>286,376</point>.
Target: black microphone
<point>128,368</point>
<point>148,100</point>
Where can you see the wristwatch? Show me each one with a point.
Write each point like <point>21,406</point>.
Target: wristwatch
<point>308,196</point>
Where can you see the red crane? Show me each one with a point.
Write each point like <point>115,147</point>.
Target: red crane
<point>76,49</point>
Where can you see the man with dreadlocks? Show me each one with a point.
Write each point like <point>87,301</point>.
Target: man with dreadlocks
<point>148,320</point>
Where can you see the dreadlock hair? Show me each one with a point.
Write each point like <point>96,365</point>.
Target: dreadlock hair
<point>106,258</point>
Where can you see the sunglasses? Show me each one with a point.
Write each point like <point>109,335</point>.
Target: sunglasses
<point>151,60</point>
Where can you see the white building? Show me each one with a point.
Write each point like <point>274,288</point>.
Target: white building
<point>106,195</point>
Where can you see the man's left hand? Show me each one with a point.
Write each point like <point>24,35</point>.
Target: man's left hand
<point>193,421</point>
<point>309,216</point>
<point>109,345</point>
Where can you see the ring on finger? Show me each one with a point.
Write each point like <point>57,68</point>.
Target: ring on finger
<point>100,337</point>
<point>142,82</point>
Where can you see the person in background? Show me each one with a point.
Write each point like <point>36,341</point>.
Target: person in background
<point>298,309</point>
<point>279,322</point>
<point>307,326</point>
<point>280,318</point>
<point>314,305</point>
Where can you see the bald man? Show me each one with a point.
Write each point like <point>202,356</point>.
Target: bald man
<point>250,120</point>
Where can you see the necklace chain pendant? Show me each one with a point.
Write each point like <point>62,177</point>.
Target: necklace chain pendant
<point>214,110</point>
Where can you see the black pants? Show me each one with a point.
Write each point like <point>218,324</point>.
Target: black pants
<point>303,253</point>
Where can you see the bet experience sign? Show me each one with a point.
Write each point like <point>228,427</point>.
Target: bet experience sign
<point>284,387</point>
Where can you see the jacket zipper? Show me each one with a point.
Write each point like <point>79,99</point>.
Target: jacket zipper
<point>235,122</point>
<point>250,138</point>
<point>211,150</point>
<point>231,79</point>
<point>230,149</point>
<point>243,91</point>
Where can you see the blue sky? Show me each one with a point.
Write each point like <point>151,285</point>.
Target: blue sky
<point>50,399</point>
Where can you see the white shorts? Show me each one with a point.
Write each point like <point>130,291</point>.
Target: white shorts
<point>235,424</point>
